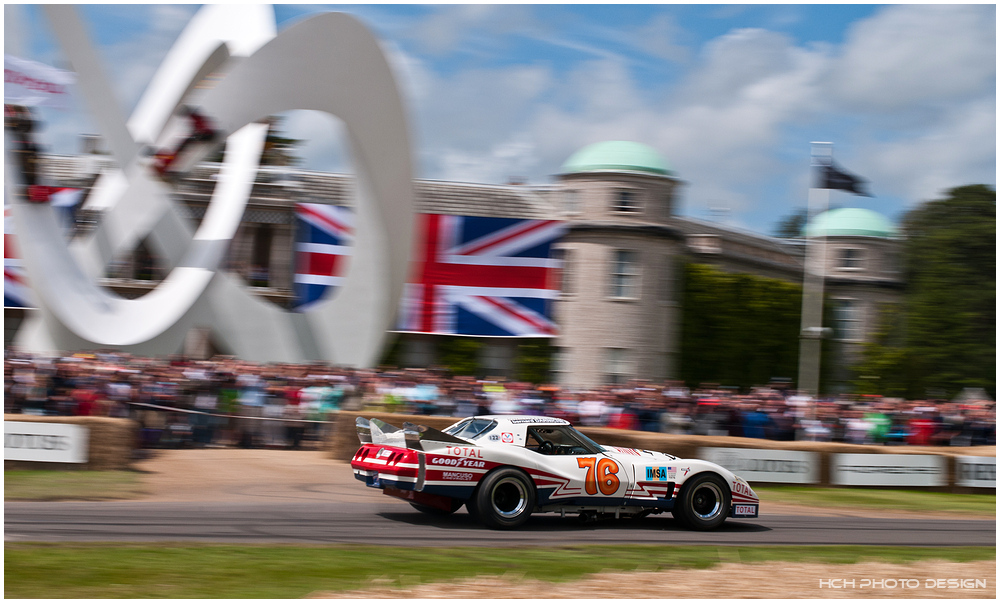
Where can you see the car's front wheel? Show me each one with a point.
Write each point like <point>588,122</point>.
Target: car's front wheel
<point>504,499</point>
<point>703,502</point>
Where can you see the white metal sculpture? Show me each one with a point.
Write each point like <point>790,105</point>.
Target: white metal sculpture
<point>330,63</point>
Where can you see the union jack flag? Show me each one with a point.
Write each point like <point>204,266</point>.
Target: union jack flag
<point>484,276</point>
<point>16,291</point>
<point>324,235</point>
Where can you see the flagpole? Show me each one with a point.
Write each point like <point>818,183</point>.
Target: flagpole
<point>810,337</point>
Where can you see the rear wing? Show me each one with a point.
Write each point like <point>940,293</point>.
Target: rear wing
<point>376,431</point>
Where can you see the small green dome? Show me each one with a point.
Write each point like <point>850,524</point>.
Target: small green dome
<point>850,221</point>
<point>617,156</point>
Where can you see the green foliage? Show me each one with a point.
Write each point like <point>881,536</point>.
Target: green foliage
<point>533,360</point>
<point>898,500</point>
<point>946,333</point>
<point>71,485</point>
<point>791,226</point>
<point>105,571</point>
<point>460,354</point>
<point>738,329</point>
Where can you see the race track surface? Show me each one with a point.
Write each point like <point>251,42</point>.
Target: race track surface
<point>302,497</point>
<point>393,523</point>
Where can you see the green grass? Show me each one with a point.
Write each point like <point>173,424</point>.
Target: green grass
<point>906,500</point>
<point>71,485</point>
<point>224,571</point>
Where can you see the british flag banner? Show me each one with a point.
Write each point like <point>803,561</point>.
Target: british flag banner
<point>483,276</point>
<point>16,292</point>
<point>324,235</point>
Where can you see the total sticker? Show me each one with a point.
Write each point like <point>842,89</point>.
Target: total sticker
<point>745,510</point>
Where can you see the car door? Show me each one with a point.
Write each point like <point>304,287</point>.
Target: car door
<point>569,471</point>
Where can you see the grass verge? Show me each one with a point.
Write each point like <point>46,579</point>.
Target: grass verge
<point>887,500</point>
<point>87,571</point>
<point>71,485</point>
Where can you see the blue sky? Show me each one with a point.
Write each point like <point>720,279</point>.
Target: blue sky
<point>730,95</point>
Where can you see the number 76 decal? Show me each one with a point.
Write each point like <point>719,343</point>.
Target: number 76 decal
<point>600,474</point>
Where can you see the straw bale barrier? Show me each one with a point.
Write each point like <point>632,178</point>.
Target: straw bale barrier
<point>110,443</point>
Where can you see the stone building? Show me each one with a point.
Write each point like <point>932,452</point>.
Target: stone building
<point>863,273</point>
<point>619,311</point>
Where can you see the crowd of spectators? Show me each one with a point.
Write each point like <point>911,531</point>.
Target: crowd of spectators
<point>231,402</point>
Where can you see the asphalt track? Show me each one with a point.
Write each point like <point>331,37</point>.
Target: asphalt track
<point>303,497</point>
<point>395,523</point>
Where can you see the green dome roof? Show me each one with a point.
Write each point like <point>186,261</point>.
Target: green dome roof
<point>617,156</point>
<point>850,221</point>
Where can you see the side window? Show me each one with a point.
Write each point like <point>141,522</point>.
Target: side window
<point>555,441</point>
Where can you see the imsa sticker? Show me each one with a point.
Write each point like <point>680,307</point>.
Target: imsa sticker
<point>661,474</point>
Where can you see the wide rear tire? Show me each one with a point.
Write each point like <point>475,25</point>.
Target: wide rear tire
<point>703,503</point>
<point>504,499</point>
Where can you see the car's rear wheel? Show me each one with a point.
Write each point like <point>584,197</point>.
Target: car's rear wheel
<point>703,503</point>
<point>504,499</point>
<point>455,506</point>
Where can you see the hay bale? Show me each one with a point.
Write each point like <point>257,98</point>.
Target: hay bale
<point>110,443</point>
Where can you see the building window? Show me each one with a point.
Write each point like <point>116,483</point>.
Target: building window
<point>625,274</point>
<point>891,261</point>
<point>571,202</point>
<point>666,281</point>
<point>704,243</point>
<point>849,258</point>
<point>560,362</point>
<point>260,263</point>
<point>618,369</point>
<point>847,319</point>
<point>565,271</point>
<point>625,200</point>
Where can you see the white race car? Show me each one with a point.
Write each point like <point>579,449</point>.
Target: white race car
<point>504,468</point>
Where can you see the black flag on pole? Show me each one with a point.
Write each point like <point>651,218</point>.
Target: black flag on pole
<point>831,177</point>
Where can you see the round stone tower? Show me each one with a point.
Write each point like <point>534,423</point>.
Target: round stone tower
<point>618,312</point>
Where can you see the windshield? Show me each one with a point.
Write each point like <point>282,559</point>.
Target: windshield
<point>471,429</point>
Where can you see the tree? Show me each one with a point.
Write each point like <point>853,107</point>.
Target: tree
<point>533,360</point>
<point>738,329</point>
<point>791,226</point>
<point>945,338</point>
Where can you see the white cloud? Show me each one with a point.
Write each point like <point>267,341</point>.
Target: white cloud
<point>913,54</point>
<point>469,26</point>
<point>958,149</point>
<point>909,98</point>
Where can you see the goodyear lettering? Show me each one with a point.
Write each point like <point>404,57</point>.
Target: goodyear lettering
<point>457,462</point>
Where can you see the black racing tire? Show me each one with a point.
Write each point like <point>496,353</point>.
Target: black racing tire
<point>703,503</point>
<point>455,506</point>
<point>504,499</point>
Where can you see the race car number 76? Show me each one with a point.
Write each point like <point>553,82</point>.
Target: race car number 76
<point>600,474</point>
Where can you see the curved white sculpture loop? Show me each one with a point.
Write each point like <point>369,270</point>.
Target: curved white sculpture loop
<point>328,63</point>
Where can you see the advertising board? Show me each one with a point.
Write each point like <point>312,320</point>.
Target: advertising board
<point>976,471</point>
<point>888,470</point>
<point>776,466</point>
<point>44,442</point>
